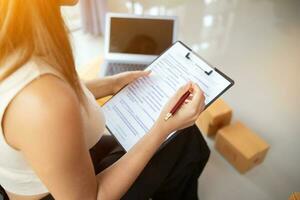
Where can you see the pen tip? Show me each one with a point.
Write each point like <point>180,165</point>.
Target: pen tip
<point>168,116</point>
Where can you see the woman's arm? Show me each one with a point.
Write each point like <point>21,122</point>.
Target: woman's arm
<point>44,122</point>
<point>117,179</point>
<point>101,87</point>
<point>109,85</point>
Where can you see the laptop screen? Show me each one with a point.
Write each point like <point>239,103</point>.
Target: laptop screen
<point>140,36</point>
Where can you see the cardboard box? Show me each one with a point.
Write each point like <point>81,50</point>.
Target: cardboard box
<point>240,146</point>
<point>216,116</point>
<point>295,196</point>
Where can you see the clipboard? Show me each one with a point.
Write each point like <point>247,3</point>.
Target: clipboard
<point>209,72</point>
<point>115,116</point>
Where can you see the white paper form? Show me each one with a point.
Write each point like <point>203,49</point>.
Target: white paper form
<point>132,112</point>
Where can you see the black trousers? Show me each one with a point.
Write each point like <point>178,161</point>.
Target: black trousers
<point>172,173</point>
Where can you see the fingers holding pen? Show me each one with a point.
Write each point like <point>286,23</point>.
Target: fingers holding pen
<point>198,97</point>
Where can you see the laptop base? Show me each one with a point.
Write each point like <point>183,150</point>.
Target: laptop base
<point>116,68</point>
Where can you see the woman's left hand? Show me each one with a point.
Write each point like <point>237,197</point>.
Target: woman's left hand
<point>122,79</point>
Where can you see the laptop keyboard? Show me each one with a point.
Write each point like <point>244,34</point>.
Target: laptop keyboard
<point>115,68</point>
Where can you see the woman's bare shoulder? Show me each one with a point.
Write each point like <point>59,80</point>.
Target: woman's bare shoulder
<point>42,104</point>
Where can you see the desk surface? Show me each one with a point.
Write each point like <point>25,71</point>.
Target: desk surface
<point>90,71</point>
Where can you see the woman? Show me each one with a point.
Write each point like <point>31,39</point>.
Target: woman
<point>51,124</point>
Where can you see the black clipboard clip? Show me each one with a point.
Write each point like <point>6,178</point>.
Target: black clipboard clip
<point>206,72</point>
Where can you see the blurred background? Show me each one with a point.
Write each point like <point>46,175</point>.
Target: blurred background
<point>257,43</point>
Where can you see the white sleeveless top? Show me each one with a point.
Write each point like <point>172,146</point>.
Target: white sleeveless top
<point>16,176</point>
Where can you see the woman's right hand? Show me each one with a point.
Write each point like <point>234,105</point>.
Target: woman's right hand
<point>187,114</point>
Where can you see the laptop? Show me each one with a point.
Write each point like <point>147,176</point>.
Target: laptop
<point>132,42</point>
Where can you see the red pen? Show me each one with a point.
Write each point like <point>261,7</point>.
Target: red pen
<point>178,104</point>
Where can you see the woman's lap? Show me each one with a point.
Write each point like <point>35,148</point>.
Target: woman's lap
<point>105,153</point>
<point>173,171</point>
<point>180,161</point>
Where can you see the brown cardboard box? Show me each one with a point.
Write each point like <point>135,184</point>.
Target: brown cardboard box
<point>216,116</point>
<point>240,146</point>
<point>295,196</point>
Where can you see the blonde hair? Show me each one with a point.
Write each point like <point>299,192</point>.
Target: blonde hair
<point>36,28</point>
